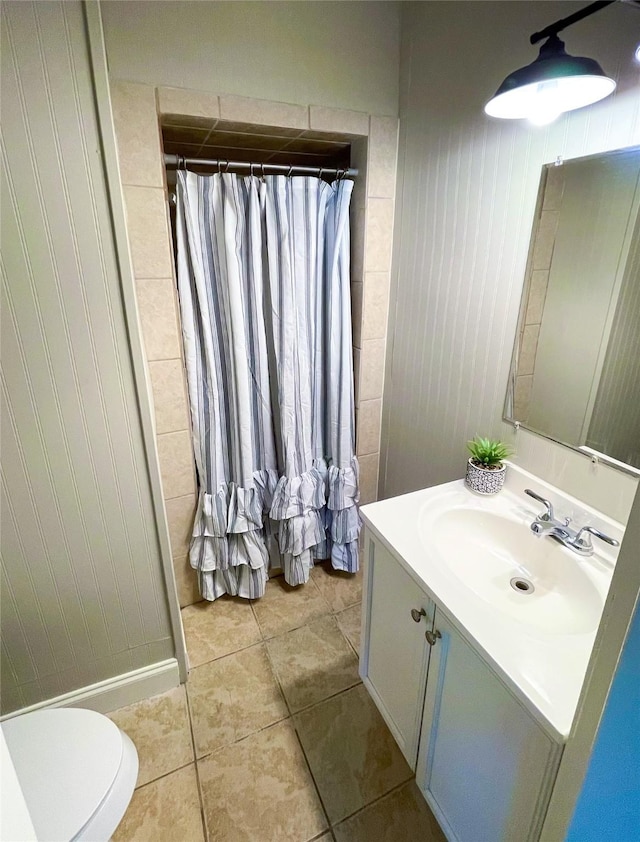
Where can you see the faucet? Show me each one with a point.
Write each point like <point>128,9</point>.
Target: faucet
<point>577,540</point>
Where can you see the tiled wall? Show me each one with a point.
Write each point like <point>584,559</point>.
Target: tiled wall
<point>541,255</point>
<point>137,112</point>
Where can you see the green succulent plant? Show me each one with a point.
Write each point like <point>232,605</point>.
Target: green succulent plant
<point>488,452</point>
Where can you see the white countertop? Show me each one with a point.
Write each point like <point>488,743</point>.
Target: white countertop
<point>546,670</point>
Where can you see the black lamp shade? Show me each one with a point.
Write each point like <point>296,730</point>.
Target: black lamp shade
<point>553,83</point>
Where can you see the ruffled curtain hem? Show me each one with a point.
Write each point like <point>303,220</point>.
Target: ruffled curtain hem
<point>238,532</point>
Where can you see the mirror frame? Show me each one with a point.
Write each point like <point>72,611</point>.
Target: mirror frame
<point>507,414</point>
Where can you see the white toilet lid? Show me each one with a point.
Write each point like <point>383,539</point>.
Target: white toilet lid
<point>67,760</point>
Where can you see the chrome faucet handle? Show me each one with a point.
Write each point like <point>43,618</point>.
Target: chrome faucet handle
<point>548,515</point>
<point>585,543</point>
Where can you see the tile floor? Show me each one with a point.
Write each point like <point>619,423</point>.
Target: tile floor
<point>274,738</point>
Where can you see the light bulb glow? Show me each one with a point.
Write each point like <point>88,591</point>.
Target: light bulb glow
<point>637,54</point>
<point>543,117</point>
<point>553,96</point>
<point>545,104</point>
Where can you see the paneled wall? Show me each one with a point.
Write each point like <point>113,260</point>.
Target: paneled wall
<point>83,596</point>
<point>336,54</point>
<point>465,206</point>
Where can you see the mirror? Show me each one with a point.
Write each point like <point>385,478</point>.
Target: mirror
<point>575,373</point>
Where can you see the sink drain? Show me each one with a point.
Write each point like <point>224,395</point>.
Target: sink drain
<point>522,585</point>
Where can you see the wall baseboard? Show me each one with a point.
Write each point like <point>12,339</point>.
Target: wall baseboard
<point>114,693</point>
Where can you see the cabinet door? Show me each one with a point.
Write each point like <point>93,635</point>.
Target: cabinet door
<point>394,658</point>
<point>486,767</point>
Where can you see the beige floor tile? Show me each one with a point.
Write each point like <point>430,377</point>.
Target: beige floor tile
<point>338,588</point>
<point>214,629</point>
<point>159,728</point>
<point>283,608</point>
<point>260,790</point>
<point>402,814</point>
<point>350,621</point>
<point>166,810</point>
<point>233,697</point>
<point>313,663</point>
<point>352,755</point>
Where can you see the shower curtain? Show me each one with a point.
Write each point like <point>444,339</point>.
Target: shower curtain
<point>263,281</point>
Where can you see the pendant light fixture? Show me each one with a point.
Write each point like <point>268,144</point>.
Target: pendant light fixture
<point>555,82</point>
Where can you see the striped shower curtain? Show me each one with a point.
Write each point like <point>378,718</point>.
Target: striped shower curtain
<point>263,280</point>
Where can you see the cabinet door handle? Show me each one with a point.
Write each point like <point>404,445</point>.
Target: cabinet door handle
<point>416,615</point>
<point>432,636</point>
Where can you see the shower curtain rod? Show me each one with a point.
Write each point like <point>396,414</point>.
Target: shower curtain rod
<point>177,161</point>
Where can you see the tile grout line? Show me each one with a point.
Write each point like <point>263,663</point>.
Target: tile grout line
<point>326,698</point>
<point>261,643</point>
<point>332,825</point>
<point>226,654</point>
<point>266,637</point>
<point>164,775</point>
<point>221,748</point>
<point>313,780</point>
<point>164,359</point>
<point>264,640</point>
<point>319,701</point>
<point>218,749</point>
<point>353,649</point>
<point>335,612</point>
<point>375,801</point>
<point>323,834</point>
<point>277,679</point>
<point>203,817</point>
<point>290,714</point>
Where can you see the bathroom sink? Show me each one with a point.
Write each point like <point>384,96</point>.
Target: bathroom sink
<point>534,580</point>
<point>475,557</point>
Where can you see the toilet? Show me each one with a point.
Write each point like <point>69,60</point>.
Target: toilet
<point>76,770</point>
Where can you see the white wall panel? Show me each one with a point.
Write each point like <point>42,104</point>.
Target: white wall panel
<point>337,54</point>
<point>83,596</point>
<point>467,191</point>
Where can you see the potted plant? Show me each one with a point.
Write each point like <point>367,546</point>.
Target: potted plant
<point>485,468</point>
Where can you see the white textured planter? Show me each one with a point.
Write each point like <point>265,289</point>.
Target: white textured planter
<point>484,481</point>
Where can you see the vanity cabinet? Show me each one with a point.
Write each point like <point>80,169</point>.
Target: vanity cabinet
<point>397,657</point>
<point>483,761</point>
<point>486,766</point>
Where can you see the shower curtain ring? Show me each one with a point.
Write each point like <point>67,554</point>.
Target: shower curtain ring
<point>290,171</point>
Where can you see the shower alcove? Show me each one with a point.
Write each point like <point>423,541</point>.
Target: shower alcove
<point>152,121</point>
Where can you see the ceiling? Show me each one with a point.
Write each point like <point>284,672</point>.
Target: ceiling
<point>225,140</point>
